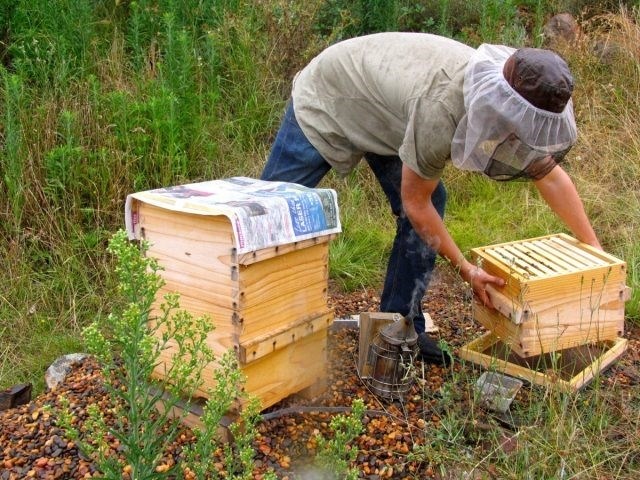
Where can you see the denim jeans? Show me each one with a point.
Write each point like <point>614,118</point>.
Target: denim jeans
<point>411,263</point>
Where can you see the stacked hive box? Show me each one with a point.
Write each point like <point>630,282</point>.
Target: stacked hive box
<point>269,304</point>
<point>559,293</point>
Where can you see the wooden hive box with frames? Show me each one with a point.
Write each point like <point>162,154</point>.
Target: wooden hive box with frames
<point>266,298</point>
<point>559,293</point>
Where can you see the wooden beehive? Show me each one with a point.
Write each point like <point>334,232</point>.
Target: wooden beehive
<point>559,293</point>
<point>270,305</point>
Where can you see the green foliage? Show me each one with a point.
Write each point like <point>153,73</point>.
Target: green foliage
<point>129,354</point>
<point>34,350</point>
<point>553,434</point>
<point>449,437</point>
<point>499,23</point>
<point>488,206</point>
<point>201,456</point>
<point>63,164</point>
<point>539,11</point>
<point>379,15</point>
<point>11,160</point>
<point>51,41</point>
<point>492,21</point>
<point>100,99</point>
<point>562,424</point>
<point>358,256</point>
<point>444,19</point>
<point>334,455</point>
<point>130,347</point>
<point>345,19</point>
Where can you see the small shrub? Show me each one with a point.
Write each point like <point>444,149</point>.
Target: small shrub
<point>335,455</point>
<point>130,352</point>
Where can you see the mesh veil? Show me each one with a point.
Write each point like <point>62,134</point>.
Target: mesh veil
<point>503,135</point>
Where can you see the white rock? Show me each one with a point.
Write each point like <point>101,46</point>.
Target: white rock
<point>58,370</point>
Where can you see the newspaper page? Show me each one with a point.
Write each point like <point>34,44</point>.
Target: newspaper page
<point>262,213</point>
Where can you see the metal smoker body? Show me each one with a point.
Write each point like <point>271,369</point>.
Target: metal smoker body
<point>390,356</point>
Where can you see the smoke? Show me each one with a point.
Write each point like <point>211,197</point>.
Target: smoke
<point>314,473</point>
<point>427,255</point>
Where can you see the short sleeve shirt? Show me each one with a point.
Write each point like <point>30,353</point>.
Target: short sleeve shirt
<point>389,93</point>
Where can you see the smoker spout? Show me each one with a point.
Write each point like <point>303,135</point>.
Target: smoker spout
<point>400,331</point>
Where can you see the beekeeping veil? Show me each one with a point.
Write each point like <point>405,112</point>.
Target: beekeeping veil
<point>519,119</point>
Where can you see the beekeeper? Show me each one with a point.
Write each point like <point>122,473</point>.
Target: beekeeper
<point>408,103</point>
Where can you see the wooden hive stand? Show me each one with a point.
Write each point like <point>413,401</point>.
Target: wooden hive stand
<point>559,294</point>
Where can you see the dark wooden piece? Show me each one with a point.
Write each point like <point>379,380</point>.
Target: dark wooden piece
<point>14,396</point>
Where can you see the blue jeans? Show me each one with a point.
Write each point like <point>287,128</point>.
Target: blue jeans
<point>411,263</point>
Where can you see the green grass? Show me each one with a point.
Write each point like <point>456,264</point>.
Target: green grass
<point>40,350</point>
<point>169,95</point>
<point>482,212</point>
<point>591,434</point>
<point>358,256</point>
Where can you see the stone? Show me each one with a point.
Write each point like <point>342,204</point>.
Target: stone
<point>561,28</point>
<point>58,370</point>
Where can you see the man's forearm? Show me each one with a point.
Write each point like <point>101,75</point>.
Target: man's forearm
<point>416,202</point>
<point>417,205</point>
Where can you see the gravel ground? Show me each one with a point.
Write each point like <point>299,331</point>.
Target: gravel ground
<point>32,446</point>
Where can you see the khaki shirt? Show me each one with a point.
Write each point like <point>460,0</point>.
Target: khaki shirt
<point>387,93</point>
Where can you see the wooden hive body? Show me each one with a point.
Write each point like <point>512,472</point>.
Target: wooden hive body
<point>269,305</point>
<point>559,293</point>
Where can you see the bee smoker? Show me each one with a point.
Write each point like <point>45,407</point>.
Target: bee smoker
<point>389,359</point>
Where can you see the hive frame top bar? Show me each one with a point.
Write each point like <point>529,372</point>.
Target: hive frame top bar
<point>548,256</point>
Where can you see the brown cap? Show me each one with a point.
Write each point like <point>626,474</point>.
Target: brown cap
<point>542,77</point>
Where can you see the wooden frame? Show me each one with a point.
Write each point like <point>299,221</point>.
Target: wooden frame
<point>490,353</point>
<point>549,267</point>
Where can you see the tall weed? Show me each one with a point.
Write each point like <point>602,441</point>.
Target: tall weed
<point>12,160</point>
<point>63,165</point>
<point>51,42</point>
<point>130,346</point>
<point>499,23</point>
<point>335,454</point>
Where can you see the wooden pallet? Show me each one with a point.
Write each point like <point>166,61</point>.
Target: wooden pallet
<point>567,370</point>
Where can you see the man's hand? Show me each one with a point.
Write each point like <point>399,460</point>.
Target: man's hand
<point>479,280</point>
